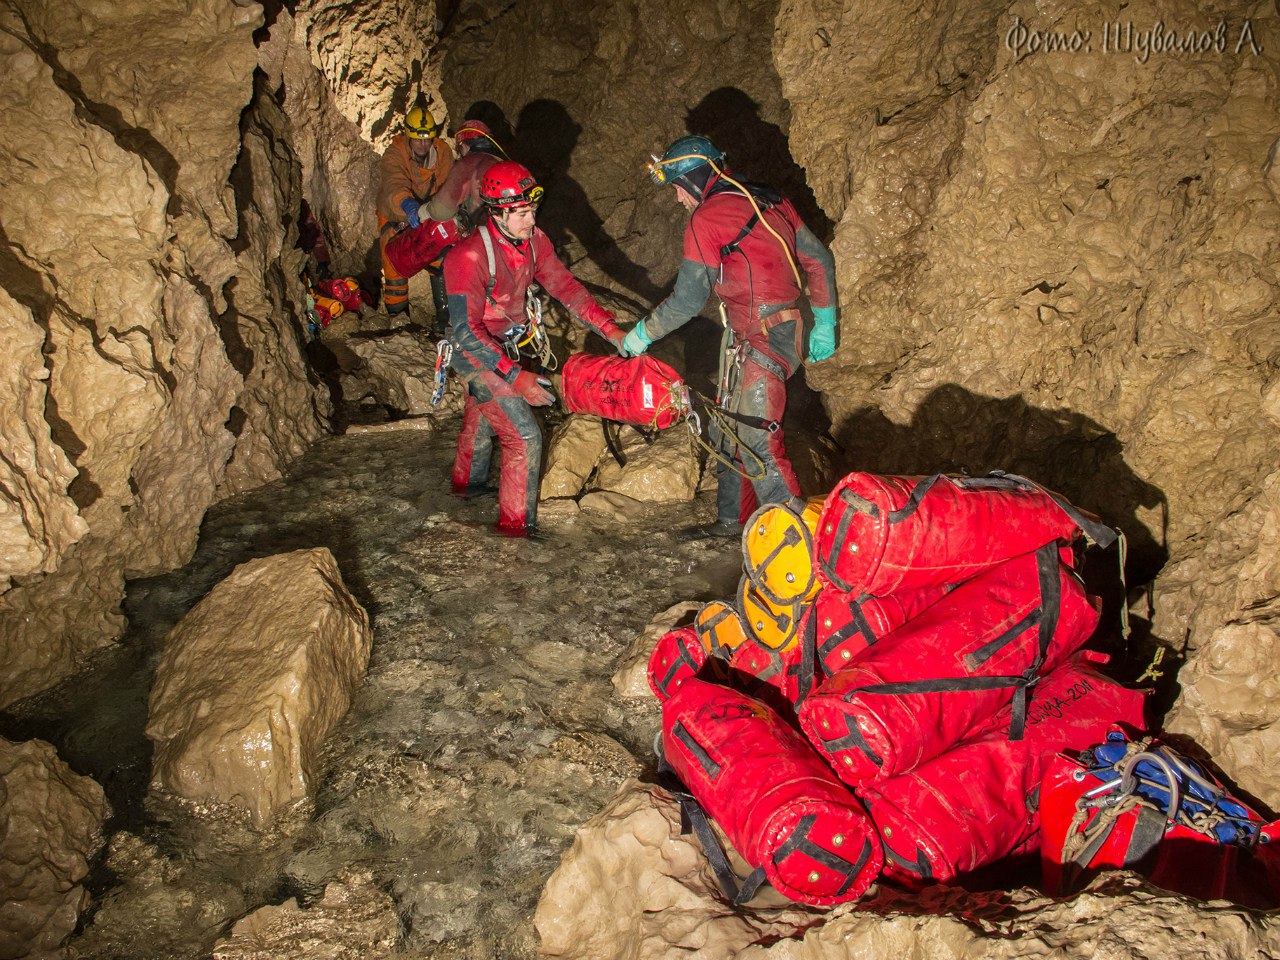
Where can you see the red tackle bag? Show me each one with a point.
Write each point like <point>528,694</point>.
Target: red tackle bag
<point>978,802</point>
<point>1111,807</point>
<point>677,656</point>
<point>641,391</point>
<point>837,629</point>
<point>347,290</point>
<point>778,803</point>
<point>943,674</point>
<point>881,534</point>
<point>417,247</point>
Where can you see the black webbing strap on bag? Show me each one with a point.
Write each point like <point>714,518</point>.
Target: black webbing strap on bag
<point>1095,530</point>
<point>611,443</point>
<point>694,818</point>
<point>810,652</point>
<point>799,840</point>
<point>1045,617</point>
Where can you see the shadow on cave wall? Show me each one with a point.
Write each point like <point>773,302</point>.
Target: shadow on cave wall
<point>545,137</point>
<point>758,150</point>
<point>956,430</point>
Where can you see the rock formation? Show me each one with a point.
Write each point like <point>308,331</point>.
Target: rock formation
<point>253,679</point>
<point>354,920</point>
<point>50,830</point>
<point>150,290</point>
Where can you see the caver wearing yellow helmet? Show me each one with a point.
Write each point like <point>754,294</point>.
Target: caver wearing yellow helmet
<point>414,167</point>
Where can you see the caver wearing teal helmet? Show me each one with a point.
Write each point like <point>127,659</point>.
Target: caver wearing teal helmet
<point>690,162</point>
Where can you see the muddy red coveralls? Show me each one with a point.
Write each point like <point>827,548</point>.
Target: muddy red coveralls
<point>483,309</point>
<point>728,249</point>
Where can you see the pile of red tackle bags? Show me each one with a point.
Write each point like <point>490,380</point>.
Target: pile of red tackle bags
<point>899,689</point>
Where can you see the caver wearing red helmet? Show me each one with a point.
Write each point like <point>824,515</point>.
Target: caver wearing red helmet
<point>458,199</point>
<point>487,277</point>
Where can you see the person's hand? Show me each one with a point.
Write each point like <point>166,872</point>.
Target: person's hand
<point>822,338</point>
<point>535,389</point>
<point>410,208</point>
<point>617,338</point>
<point>636,342</point>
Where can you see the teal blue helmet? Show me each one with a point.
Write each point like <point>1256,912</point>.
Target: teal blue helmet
<point>689,162</point>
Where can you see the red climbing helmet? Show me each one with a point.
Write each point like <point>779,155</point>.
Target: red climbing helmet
<point>509,184</point>
<point>473,130</point>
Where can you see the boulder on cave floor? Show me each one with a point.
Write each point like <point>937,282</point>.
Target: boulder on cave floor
<point>50,829</point>
<point>253,679</point>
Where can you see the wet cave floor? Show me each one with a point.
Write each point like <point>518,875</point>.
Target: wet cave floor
<point>485,733</point>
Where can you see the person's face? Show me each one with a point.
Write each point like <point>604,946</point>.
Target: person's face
<point>518,222</point>
<point>418,148</point>
<point>686,199</point>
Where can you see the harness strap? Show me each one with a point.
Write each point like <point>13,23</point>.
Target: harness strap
<point>730,248</point>
<point>493,263</point>
<point>702,405</point>
<point>763,360</point>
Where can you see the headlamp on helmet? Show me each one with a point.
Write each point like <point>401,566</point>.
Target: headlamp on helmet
<point>419,124</point>
<point>682,157</point>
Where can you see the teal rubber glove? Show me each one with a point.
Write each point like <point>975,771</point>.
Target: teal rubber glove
<point>636,342</point>
<point>822,338</point>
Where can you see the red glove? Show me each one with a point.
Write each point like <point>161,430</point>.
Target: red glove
<point>616,336</point>
<point>534,389</point>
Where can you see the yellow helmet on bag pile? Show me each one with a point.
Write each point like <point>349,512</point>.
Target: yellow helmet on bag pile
<point>777,546</point>
<point>419,124</point>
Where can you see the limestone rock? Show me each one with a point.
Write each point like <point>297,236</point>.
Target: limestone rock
<point>50,829</point>
<point>1044,294</point>
<point>615,506</point>
<point>396,369</point>
<point>575,447</point>
<point>252,680</point>
<point>39,520</point>
<point>664,471</point>
<point>631,679</point>
<point>1230,704</point>
<point>354,920</point>
<point>632,886</point>
<point>148,219</point>
<point>1114,909</point>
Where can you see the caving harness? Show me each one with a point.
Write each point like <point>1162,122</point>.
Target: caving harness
<point>528,339</point>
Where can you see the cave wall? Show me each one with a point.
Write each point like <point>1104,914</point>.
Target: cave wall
<point>1063,262</point>
<point>1060,262</point>
<point>149,283</point>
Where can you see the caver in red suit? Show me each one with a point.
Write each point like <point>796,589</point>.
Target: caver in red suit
<point>486,277</point>
<point>750,246</point>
